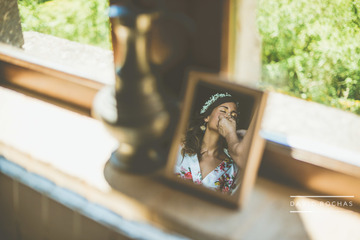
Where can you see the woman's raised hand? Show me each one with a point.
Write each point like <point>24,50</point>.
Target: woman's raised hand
<point>226,125</point>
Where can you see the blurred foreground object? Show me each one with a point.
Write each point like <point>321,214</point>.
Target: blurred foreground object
<point>137,110</point>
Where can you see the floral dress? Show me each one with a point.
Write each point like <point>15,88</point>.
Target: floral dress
<point>222,178</point>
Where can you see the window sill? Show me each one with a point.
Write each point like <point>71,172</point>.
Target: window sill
<point>62,72</point>
<point>71,150</point>
<point>312,127</point>
<point>78,59</point>
<point>311,145</point>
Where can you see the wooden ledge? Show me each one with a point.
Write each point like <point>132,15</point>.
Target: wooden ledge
<point>71,150</point>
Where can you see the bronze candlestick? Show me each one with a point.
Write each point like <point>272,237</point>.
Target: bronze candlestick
<point>134,110</point>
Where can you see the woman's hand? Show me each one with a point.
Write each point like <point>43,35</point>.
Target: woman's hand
<point>227,129</point>
<point>226,125</point>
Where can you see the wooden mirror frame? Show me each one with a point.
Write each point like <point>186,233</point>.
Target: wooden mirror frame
<point>197,80</point>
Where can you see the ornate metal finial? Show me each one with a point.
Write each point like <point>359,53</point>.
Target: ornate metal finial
<point>134,110</point>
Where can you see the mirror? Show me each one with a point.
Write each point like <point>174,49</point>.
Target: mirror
<point>217,149</point>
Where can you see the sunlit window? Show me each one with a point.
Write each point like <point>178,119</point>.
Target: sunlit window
<point>311,49</point>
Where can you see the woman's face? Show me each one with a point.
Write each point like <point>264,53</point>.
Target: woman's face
<point>224,109</point>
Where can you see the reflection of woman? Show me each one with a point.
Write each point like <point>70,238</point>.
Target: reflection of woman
<point>211,153</point>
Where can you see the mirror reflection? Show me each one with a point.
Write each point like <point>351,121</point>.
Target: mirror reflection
<point>213,149</point>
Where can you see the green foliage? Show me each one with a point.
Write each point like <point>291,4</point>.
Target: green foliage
<point>311,49</point>
<point>84,21</point>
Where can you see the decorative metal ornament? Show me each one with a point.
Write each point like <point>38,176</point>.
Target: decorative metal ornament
<point>134,111</point>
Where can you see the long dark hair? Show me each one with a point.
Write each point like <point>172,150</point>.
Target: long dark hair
<point>191,143</point>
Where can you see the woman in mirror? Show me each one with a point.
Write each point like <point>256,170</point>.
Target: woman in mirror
<point>212,153</point>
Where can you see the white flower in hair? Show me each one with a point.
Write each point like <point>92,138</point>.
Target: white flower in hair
<point>212,99</point>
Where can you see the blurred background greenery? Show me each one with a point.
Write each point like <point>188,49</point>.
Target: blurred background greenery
<point>310,49</point>
<point>84,21</point>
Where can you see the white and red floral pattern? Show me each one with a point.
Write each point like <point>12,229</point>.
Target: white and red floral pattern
<point>222,178</point>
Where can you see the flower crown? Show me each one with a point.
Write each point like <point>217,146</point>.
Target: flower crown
<point>212,99</point>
